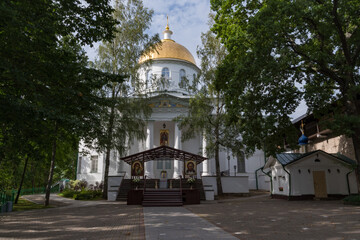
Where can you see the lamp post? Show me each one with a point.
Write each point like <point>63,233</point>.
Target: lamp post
<point>235,170</point>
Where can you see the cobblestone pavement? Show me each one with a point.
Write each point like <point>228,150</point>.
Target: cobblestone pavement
<point>257,217</point>
<point>104,221</point>
<point>265,218</point>
<point>172,223</point>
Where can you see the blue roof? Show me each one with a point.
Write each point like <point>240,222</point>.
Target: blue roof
<point>287,158</point>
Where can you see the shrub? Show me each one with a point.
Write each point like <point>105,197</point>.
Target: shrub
<point>87,195</point>
<point>78,184</point>
<point>98,186</point>
<point>77,190</point>
<point>352,199</point>
<point>68,193</point>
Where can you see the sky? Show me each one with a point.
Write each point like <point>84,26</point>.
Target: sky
<point>187,20</point>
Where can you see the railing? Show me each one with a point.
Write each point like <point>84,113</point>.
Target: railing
<point>6,197</point>
<point>31,191</point>
<point>144,185</point>
<point>181,186</point>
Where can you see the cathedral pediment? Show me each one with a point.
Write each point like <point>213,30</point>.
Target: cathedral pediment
<point>167,101</point>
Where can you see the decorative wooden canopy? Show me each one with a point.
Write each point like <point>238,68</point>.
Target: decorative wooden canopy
<point>161,153</point>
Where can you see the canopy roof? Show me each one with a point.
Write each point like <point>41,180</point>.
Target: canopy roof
<point>161,153</point>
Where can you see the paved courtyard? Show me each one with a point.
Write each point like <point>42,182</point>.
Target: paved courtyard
<point>76,220</point>
<point>244,218</point>
<point>264,218</point>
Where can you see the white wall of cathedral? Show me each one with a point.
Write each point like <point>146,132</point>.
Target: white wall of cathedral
<point>90,165</point>
<point>194,145</point>
<point>174,67</point>
<point>252,163</point>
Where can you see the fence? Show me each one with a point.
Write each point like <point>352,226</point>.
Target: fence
<point>6,197</point>
<point>9,196</point>
<point>38,190</point>
<point>6,201</point>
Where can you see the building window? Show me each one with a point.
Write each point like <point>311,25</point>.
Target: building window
<point>182,75</point>
<point>165,73</point>
<point>182,78</point>
<point>167,164</point>
<point>194,77</point>
<point>241,162</point>
<point>159,164</point>
<point>94,164</point>
<point>79,165</point>
<point>149,77</point>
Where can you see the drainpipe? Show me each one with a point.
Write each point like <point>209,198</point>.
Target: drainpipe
<point>271,188</point>
<point>289,181</point>
<point>347,179</point>
<point>257,187</point>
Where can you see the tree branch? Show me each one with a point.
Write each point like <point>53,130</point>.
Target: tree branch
<point>323,68</point>
<point>356,55</point>
<point>341,34</point>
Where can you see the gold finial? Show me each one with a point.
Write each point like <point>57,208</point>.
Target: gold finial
<point>302,127</point>
<point>167,22</point>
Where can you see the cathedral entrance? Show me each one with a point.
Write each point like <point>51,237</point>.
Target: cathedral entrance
<point>154,184</point>
<point>164,165</point>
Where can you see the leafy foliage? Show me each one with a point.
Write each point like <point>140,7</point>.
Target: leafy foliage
<point>207,113</point>
<point>282,51</point>
<point>47,94</point>
<point>122,119</point>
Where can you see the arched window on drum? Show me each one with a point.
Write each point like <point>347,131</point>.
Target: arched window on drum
<point>182,82</point>
<point>149,77</point>
<point>165,73</point>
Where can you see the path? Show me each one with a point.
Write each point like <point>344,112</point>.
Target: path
<point>173,223</point>
<point>262,218</point>
<point>84,220</point>
<point>56,200</point>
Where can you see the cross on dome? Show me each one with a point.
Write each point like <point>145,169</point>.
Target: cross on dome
<point>167,32</point>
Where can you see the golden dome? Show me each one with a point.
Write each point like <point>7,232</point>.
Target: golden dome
<point>169,49</point>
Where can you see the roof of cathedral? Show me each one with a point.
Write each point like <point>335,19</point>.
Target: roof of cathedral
<point>169,49</point>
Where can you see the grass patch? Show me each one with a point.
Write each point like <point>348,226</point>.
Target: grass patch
<point>23,205</point>
<point>352,200</point>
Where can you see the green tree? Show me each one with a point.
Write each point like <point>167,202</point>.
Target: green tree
<point>207,106</point>
<point>278,46</point>
<point>44,80</point>
<point>123,119</point>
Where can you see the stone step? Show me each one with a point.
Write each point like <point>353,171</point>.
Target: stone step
<point>159,204</point>
<point>127,185</point>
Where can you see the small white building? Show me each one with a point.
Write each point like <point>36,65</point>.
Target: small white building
<point>314,174</point>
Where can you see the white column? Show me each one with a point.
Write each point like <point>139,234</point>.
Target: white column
<point>177,145</point>
<point>205,163</point>
<point>149,169</point>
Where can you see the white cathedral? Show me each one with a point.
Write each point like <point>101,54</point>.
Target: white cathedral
<point>173,62</point>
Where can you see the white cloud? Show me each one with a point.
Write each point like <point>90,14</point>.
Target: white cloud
<point>187,19</point>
